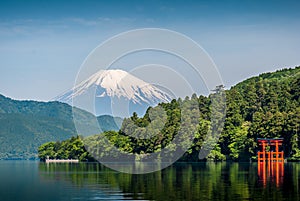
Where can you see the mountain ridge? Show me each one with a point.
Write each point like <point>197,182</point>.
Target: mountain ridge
<point>26,124</point>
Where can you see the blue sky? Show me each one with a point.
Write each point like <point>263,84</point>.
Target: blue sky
<point>43,43</point>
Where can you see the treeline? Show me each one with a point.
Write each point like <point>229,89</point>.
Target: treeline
<point>266,106</point>
<point>72,148</point>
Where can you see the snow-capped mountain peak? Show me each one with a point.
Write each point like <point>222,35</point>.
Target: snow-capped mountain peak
<point>117,84</point>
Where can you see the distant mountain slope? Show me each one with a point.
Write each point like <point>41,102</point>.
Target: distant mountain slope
<point>25,125</point>
<point>107,122</point>
<point>115,87</point>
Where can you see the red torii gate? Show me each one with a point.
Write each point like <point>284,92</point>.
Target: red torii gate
<point>270,156</point>
<point>273,153</point>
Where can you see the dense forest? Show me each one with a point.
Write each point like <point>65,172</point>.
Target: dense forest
<point>265,106</point>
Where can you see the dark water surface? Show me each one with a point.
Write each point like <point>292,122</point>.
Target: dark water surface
<point>35,181</point>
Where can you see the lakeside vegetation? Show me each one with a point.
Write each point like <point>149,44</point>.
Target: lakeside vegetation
<point>265,106</point>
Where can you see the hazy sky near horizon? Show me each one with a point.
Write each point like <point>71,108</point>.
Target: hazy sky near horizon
<point>43,43</point>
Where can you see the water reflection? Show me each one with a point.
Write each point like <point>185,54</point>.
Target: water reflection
<point>196,181</point>
<point>271,171</point>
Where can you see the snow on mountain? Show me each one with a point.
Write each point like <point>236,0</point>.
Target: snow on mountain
<point>117,84</point>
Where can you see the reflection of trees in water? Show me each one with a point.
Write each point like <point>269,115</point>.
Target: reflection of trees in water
<point>197,181</point>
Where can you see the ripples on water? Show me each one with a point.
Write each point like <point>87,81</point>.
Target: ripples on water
<point>32,181</point>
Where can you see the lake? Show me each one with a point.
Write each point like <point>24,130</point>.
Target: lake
<point>35,181</point>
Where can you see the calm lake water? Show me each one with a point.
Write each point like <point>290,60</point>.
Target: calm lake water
<point>35,181</point>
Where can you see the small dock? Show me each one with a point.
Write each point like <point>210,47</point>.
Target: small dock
<point>62,160</point>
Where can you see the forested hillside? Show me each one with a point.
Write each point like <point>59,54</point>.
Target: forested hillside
<point>266,106</point>
<point>25,125</point>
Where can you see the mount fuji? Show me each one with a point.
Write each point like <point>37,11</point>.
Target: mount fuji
<point>114,92</point>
